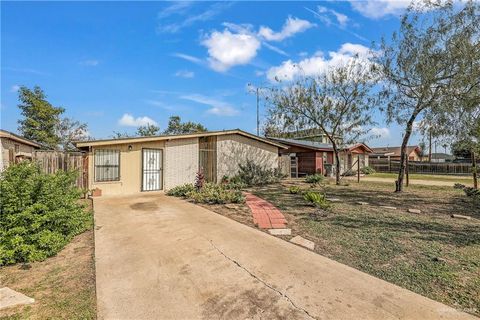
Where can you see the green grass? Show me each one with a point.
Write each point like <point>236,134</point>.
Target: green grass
<point>431,254</point>
<point>413,176</point>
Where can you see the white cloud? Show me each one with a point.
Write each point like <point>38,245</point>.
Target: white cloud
<point>206,15</point>
<point>187,57</point>
<point>227,49</point>
<point>90,63</point>
<point>15,88</point>
<point>185,74</point>
<point>217,107</point>
<point>326,15</point>
<point>127,120</point>
<point>290,28</point>
<point>318,63</point>
<point>380,132</point>
<point>379,8</point>
<point>178,7</point>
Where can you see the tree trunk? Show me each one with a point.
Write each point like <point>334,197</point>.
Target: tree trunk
<point>337,166</point>
<point>403,153</point>
<point>474,170</point>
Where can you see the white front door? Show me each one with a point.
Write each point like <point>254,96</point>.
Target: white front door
<point>152,166</point>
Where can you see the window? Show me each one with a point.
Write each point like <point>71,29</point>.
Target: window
<point>17,148</point>
<point>107,165</point>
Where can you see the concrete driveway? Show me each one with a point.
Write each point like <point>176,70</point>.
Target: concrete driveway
<point>159,257</point>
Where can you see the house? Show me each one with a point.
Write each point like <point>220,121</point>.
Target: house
<point>129,165</point>
<point>393,153</point>
<point>14,148</point>
<point>442,157</point>
<point>309,157</point>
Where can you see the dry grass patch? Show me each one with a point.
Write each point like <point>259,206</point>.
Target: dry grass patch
<point>429,253</point>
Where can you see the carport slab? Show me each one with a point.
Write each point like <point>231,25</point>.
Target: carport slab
<point>10,298</point>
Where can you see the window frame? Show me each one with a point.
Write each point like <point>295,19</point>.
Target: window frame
<point>96,179</point>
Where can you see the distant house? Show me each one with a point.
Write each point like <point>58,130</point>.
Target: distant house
<point>130,165</point>
<point>393,153</point>
<point>14,148</point>
<point>309,157</point>
<point>442,157</point>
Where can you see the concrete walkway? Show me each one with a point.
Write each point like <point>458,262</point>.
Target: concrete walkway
<point>158,257</point>
<point>265,214</point>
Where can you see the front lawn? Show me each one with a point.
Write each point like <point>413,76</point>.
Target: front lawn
<point>430,253</point>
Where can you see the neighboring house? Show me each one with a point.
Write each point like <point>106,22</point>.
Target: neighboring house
<point>122,166</point>
<point>14,148</point>
<point>442,157</point>
<point>309,157</point>
<point>316,135</point>
<point>393,153</point>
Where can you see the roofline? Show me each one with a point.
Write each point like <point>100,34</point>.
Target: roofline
<point>13,136</point>
<point>300,145</point>
<point>104,142</point>
<point>361,144</point>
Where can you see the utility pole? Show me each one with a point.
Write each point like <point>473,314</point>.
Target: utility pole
<point>258,115</point>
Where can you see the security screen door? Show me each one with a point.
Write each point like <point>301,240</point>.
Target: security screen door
<point>152,166</point>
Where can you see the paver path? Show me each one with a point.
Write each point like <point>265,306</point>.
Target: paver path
<point>265,214</point>
<point>159,257</point>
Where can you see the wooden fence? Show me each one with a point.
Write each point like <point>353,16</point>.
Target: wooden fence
<point>444,168</point>
<point>53,161</point>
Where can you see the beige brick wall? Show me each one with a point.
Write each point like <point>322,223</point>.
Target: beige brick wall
<point>234,149</point>
<point>6,144</point>
<point>181,162</point>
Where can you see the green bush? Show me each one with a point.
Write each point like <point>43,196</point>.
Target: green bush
<point>314,178</point>
<point>234,183</point>
<point>253,174</point>
<point>294,189</point>
<point>367,170</point>
<point>212,193</point>
<point>181,191</point>
<point>39,213</point>
<point>317,199</point>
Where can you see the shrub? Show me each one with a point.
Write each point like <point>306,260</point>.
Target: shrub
<point>212,193</point>
<point>459,186</point>
<point>39,213</point>
<point>233,183</point>
<point>253,174</point>
<point>314,178</point>
<point>317,199</point>
<point>181,191</point>
<point>367,170</point>
<point>472,192</point>
<point>294,189</point>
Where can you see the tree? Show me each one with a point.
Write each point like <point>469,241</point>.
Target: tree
<point>41,119</point>
<point>418,67</point>
<point>339,102</point>
<point>68,131</point>
<point>175,126</point>
<point>458,116</point>
<point>148,130</point>
<point>121,135</point>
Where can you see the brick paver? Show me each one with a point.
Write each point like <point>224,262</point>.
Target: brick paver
<point>265,214</point>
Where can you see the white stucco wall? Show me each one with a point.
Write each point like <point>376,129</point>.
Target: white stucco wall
<point>181,162</point>
<point>233,149</point>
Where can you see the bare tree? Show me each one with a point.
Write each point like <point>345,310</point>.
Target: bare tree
<point>419,66</point>
<point>339,102</point>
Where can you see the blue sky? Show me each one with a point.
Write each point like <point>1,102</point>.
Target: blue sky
<point>115,65</point>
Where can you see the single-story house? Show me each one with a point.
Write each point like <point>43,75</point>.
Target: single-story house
<point>129,165</point>
<point>309,157</point>
<point>442,157</point>
<point>14,148</point>
<point>393,153</point>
